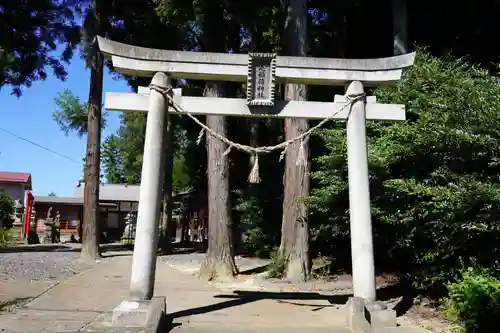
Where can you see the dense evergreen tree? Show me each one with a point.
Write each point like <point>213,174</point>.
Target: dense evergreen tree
<point>35,36</point>
<point>434,178</point>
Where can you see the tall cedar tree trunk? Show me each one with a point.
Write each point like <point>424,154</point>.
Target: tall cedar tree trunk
<point>219,260</point>
<point>400,26</point>
<point>295,229</point>
<point>91,232</point>
<point>166,223</point>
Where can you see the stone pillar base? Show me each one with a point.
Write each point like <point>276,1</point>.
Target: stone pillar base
<point>369,317</point>
<point>379,317</point>
<point>356,317</point>
<point>139,313</point>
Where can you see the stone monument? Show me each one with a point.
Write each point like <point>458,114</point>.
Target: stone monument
<point>33,237</point>
<point>49,226</point>
<point>130,224</point>
<point>56,231</point>
<point>32,218</point>
<point>17,216</point>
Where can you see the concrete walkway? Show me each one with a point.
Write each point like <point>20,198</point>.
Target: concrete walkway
<point>85,301</point>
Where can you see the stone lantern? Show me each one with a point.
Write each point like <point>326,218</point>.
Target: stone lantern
<point>18,214</point>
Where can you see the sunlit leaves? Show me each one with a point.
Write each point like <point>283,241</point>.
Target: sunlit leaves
<point>71,114</point>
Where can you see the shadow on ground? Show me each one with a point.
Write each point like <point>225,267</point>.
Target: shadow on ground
<point>177,248</point>
<point>241,297</point>
<point>38,248</point>
<point>70,247</point>
<point>255,270</point>
<point>14,302</point>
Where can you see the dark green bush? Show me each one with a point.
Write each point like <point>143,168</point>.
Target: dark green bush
<point>33,236</point>
<point>255,240</point>
<point>434,178</point>
<point>5,237</point>
<point>474,302</point>
<point>6,210</point>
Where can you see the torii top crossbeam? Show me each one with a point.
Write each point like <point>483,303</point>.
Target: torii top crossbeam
<point>145,62</point>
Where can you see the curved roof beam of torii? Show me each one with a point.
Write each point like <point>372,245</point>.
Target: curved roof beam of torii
<point>145,62</point>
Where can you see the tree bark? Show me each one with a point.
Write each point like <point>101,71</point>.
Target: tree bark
<point>166,224</point>
<point>219,260</point>
<point>254,137</point>
<point>295,229</point>
<point>91,232</point>
<point>400,26</point>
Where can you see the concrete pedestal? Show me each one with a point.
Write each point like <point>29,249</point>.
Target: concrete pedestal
<point>380,317</point>
<point>139,313</point>
<point>356,319</point>
<point>369,317</point>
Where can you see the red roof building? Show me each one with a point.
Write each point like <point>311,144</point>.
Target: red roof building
<point>21,178</point>
<point>18,186</point>
<point>15,184</point>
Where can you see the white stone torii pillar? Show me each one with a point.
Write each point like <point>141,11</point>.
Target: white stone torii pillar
<point>353,73</point>
<point>148,212</point>
<point>363,265</point>
<point>139,310</point>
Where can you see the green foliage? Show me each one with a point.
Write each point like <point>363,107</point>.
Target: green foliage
<point>111,160</point>
<point>5,237</point>
<point>132,133</point>
<point>256,240</point>
<point>31,34</point>
<point>33,236</point>
<point>71,115</point>
<point>474,302</point>
<point>434,178</point>
<point>6,210</point>
<point>277,265</point>
<point>122,152</point>
<point>259,206</point>
<point>180,177</point>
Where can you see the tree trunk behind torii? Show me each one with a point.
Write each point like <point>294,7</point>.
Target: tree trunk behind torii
<point>295,228</point>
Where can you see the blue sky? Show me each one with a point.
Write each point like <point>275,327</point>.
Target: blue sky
<point>30,116</point>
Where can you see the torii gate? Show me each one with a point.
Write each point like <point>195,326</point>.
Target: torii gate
<point>260,72</point>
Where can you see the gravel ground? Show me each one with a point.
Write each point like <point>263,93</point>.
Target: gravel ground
<point>39,265</point>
